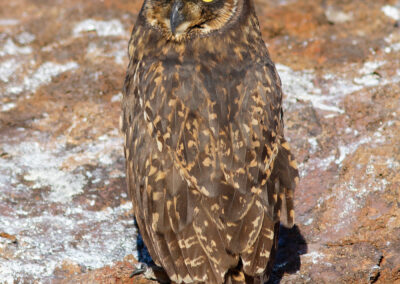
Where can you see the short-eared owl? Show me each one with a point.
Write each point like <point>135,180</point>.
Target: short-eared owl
<point>208,168</point>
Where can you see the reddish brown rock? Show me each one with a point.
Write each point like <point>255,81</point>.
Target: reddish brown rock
<point>64,212</point>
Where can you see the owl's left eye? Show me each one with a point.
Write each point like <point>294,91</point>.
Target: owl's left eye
<point>208,1</point>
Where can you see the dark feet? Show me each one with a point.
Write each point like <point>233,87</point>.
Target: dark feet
<point>154,273</point>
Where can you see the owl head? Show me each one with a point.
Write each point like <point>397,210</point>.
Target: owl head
<point>180,19</point>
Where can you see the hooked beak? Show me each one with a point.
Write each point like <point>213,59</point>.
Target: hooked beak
<point>176,18</point>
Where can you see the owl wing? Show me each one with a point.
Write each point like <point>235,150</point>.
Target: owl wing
<point>204,143</point>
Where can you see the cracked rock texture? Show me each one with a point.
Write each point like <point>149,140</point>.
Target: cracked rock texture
<point>65,216</point>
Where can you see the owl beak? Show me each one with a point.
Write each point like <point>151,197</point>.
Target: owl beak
<point>176,18</point>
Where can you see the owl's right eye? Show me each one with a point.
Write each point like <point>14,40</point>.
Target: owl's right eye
<point>208,1</point>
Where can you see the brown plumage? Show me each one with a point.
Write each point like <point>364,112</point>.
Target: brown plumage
<point>208,169</point>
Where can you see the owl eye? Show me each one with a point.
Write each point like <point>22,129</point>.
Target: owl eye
<point>208,1</point>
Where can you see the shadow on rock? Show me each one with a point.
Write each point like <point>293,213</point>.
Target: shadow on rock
<point>143,253</point>
<point>291,245</point>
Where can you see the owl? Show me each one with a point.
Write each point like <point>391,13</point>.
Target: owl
<point>209,172</point>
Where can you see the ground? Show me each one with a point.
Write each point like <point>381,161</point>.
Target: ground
<point>64,212</point>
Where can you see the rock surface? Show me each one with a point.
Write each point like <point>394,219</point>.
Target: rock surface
<point>64,212</point>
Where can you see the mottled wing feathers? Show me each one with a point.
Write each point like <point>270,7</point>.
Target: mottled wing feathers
<point>227,133</point>
<point>286,170</point>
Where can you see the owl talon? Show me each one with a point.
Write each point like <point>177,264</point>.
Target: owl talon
<point>154,273</point>
<point>140,269</point>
